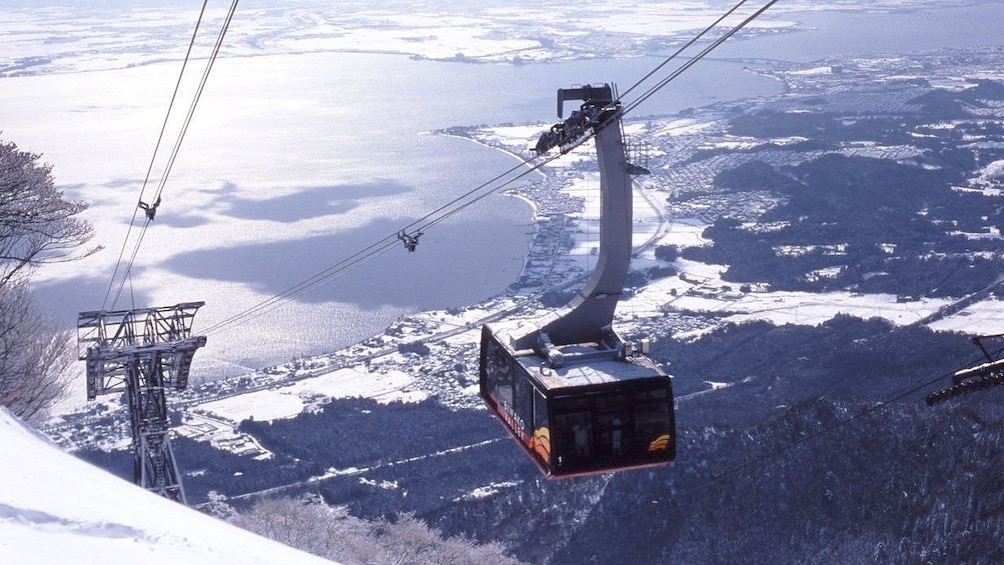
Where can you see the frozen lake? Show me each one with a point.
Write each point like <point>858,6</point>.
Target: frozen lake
<point>298,160</point>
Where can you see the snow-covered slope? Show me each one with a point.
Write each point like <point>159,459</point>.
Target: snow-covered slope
<point>55,508</point>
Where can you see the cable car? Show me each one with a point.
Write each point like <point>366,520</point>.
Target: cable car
<point>596,412</point>
<point>576,397</point>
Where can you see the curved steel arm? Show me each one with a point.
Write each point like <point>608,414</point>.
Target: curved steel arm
<point>588,316</point>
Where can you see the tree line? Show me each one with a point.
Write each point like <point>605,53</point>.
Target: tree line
<point>309,524</point>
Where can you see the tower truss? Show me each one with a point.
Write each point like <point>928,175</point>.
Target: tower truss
<point>143,353</point>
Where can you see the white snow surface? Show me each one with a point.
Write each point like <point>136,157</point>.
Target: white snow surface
<point>55,508</point>
<point>290,400</point>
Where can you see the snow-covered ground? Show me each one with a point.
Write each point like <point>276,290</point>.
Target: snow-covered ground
<point>55,508</point>
<point>524,31</point>
<point>289,400</point>
<point>518,32</point>
<point>987,315</point>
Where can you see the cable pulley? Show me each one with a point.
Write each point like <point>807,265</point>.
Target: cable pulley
<point>975,378</point>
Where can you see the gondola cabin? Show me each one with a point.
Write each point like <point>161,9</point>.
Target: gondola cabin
<point>577,398</point>
<point>598,411</point>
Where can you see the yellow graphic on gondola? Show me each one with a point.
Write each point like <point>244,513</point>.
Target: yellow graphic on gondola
<point>540,444</point>
<point>660,443</point>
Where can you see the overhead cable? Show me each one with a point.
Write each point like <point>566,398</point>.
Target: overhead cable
<point>476,194</point>
<point>174,152</point>
<point>153,157</point>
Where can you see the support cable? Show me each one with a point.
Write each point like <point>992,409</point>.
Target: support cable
<point>623,112</point>
<point>685,46</point>
<point>153,157</point>
<point>335,271</point>
<point>693,60</point>
<point>366,254</point>
<point>174,153</point>
<point>479,192</point>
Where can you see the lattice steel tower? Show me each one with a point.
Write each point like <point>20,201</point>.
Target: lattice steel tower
<point>143,353</point>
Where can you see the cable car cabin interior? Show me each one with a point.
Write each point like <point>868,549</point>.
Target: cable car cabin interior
<point>596,412</point>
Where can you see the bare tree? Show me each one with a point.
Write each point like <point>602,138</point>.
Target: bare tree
<point>330,532</point>
<point>37,226</point>
<point>410,540</point>
<point>310,525</point>
<point>34,355</point>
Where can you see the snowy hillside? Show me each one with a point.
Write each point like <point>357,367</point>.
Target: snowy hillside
<point>55,508</point>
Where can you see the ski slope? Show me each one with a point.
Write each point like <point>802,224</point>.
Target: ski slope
<point>55,508</point>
